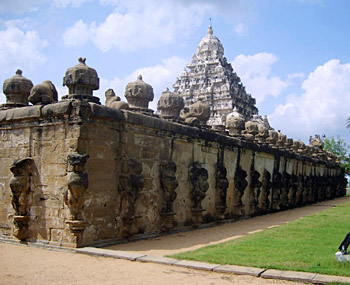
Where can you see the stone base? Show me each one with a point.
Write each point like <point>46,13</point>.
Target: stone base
<point>87,98</point>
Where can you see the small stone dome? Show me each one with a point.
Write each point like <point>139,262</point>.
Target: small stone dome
<point>17,90</point>
<point>235,123</point>
<point>210,46</point>
<point>170,104</point>
<point>81,80</point>
<point>139,93</point>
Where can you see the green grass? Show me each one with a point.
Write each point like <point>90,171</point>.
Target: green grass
<point>307,244</point>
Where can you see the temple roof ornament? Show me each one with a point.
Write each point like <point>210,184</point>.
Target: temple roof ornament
<point>210,78</point>
<point>139,94</point>
<point>16,89</point>
<point>170,104</point>
<point>81,80</point>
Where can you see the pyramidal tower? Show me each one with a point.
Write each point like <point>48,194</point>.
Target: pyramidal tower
<point>210,78</point>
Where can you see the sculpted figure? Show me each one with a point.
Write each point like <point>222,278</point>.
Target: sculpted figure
<point>20,187</point>
<point>43,93</point>
<point>131,182</point>
<point>198,177</point>
<point>263,196</point>
<point>254,188</point>
<point>276,190</point>
<point>169,183</point>
<point>221,185</point>
<point>77,184</point>
<point>198,111</point>
<point>113,101</point>
<point>286,181</point>
<point>240,185</point>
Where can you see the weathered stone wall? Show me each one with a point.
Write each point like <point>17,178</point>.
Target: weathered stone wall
<point>99,175</point>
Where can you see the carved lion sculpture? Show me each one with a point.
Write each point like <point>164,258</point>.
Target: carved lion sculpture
<point>43,93</point>
<point>113,101</point>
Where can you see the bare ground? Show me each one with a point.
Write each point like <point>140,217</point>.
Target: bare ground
<point>21,264</point>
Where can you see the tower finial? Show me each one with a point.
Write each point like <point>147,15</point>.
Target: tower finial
<point>210,30</point>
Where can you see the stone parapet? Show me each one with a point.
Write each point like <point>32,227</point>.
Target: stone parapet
<point>100,175</point>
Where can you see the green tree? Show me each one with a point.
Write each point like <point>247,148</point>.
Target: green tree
<point>339,147</point>
<point>348,123</point>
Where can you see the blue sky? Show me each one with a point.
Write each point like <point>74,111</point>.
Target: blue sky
<point>293,56</point>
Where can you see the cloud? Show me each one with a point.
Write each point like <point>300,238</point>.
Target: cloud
<point>65,3</point>
<point>144,24</point>
<point>159,77</point>
<point>20,6</point>
<point>255,73</point>
<point>322,108</point>
<point>20,49</point>
<point>241,29</point>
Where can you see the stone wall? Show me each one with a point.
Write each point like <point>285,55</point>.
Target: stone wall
<point>75,173</point>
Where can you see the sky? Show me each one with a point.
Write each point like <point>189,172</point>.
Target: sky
<point>293,56</point>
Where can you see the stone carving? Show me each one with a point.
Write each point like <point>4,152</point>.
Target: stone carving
<point>240,185</point>
<point>211,79</point>
<point>286,181</point>
<point>77,185</point>
<point>131,182</point>
<point>139,94</point>
<point>113,101</point>
<point>170,104</point>
<point>254,189</point>
<point>43,93</point>
<point>300,189</point>
<point>221,186</point>
<point>276,190</point>
<point>197,112</point>
<point>16,90</point>
<point>316,142</point>
<point>293,188</point>
<point>199,181</point>
<point>263,195</point>
<point>20,187</point>
<point>251,130</point>
<point>272,139</point>
<point>288,144</point>
<point>281,140</point>
<point>235,123</point>
<point>169,184</point>
<point>81,80</point>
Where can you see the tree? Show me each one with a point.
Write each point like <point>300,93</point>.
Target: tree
<point>339,147</point>
<point>348,123</point>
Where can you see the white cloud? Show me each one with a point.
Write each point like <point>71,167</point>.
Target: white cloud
<point>65,3</point>
<point>241,29</point>
<point>322,108</point>
<point>142,24</point>
<point>159,77</point>
<point>255,73</point>
<point>20,49</point>
<point>77,35</point>
<point>20,6</point>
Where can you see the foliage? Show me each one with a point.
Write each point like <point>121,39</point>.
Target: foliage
<point>339,147</point>
<point>307,244</point>
<point>348,123</point>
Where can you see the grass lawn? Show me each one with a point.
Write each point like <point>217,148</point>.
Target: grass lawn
<point>307,244</point>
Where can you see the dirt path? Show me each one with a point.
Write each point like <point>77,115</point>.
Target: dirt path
<point>191,240</point>
<point>21,264</point>
<point>31,265</point>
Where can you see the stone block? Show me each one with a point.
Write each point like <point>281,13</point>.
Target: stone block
<point>110,253</point>
<point>239,270</point>
<point>196,265</point>
<point>288,275</point>
<point>158,259</point>
<point>323,279</point>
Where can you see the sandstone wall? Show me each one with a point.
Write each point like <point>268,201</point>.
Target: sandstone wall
<point>124,188</point>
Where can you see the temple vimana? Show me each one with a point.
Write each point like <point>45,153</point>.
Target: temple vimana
<point>75,173</point>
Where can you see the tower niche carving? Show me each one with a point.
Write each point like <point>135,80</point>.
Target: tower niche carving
<point>20,188</point>
<point>240,185</point>
<point>263,196</point>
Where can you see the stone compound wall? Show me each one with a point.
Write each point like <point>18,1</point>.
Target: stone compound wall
<point>76,173</point>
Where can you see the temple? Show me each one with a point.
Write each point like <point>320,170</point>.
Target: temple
<point>76,173</point>
<point>209,78</point>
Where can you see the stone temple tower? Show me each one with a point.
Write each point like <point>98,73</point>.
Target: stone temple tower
<point>210,78</point>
